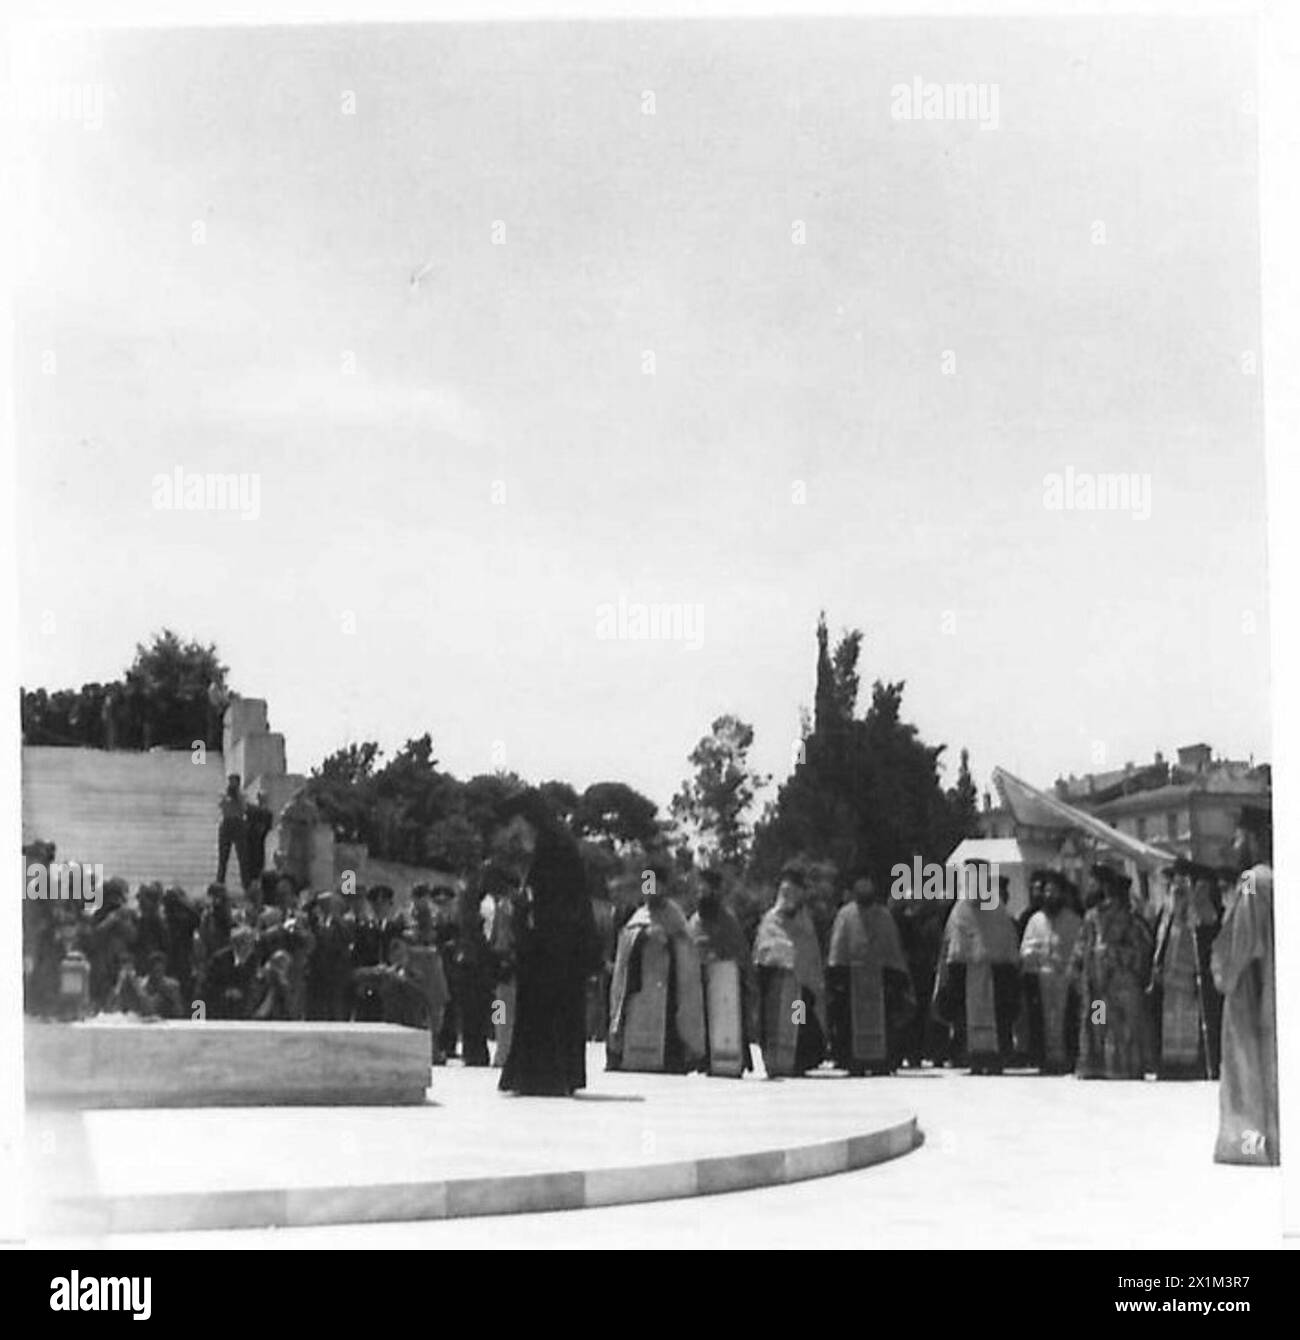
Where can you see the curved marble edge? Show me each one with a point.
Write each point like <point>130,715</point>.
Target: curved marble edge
<point>516,1193</point>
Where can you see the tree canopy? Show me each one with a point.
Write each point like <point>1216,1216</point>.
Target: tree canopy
<point>170,696</point>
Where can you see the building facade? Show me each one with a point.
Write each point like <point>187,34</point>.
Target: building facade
<point>1189,807</point>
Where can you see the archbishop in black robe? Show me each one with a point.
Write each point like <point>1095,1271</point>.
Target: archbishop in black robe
<point>556,951</point>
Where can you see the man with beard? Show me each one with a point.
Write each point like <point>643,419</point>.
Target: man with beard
<point>791,983</point>
<point>730,992</point>
<point>1207,909</point>
<point>1030,1041</point>
<point>598,984</point>
<point>1177,992</point>
<point>1045,955</point>
<point>656,1002</point>
<point>920,927</point>
<point>977,984</point>
<point>1111,964</point>
<point>555,951</point>
<point>1243,966</point>
<point>870,995</point>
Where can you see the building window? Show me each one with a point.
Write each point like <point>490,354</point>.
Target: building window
<point>1140,827</point>
<point>1171,824</point>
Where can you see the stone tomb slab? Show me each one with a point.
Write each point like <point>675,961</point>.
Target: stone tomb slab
<point>116,1061</point>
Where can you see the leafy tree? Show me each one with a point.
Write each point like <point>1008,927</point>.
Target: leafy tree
<point>168,687</point>
<point>562,798</point>
<point>454,843</point>
<point>714,804</point>
<point>618,812</point>
<point>343,787</point>
<point>483,798</point>
<point>413,796</point>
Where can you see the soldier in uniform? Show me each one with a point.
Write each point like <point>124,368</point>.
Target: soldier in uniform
<point>232,831</point>
<point>422,965</point>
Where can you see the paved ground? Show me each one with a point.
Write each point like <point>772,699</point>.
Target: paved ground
<point>468,1150</point>
<point>1008,1162</point>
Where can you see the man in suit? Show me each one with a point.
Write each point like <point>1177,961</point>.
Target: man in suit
<point>329,969</point>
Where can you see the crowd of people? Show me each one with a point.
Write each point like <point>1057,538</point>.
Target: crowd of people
<point>521,954</point>
<point>274,951</point>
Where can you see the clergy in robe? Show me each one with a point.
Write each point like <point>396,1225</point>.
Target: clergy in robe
<point>869,989</point>
<point>602,911</point>
<point>1207,908</point>
<point>730,1002</point>
<point>791,983</point>
<point>555,951</point>
<point>1243,967</point>
<point>1046,952</point>
<point>977,985</point>
<point>656,998</point>
<point>1111,965</point>
<point>920,926</point>
<point>1177,990</point>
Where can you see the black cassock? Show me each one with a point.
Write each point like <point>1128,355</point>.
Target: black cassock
<point>556,952</point>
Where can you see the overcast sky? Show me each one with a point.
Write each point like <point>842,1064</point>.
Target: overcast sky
<point>751,344</point>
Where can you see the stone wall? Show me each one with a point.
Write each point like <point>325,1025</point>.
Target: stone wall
<point>142,816</point>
